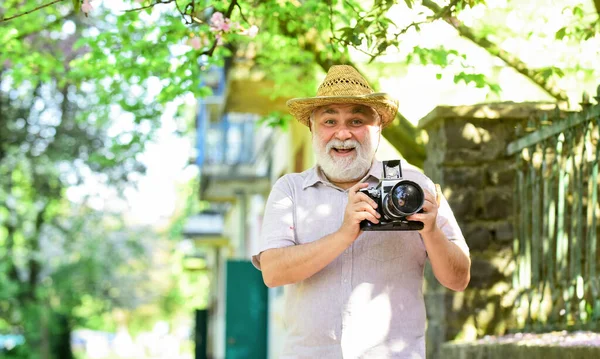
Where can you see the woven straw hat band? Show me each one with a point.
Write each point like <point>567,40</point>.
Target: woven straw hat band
<point>343,80</point>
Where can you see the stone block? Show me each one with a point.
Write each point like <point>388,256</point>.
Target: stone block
<point>466,134</point>
<point>464,176</point>
<point>500,173</point>
<point>478,237</point>
<point>464,157</point>
<point>465,202</point>
<point>487,139</point>
<point>504,232</point>
<point>516,350</point>
<point>479,135</point>
<point>484,274</point>
<point>498,203</point>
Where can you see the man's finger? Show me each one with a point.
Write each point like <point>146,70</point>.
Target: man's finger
<point>438,194</point>
<point>357,187</point>
<point>361,197</point>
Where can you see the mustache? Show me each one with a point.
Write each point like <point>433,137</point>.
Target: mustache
<point>344,145</point>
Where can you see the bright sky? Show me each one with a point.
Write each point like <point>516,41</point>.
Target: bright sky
<point>167,161</point>
<point>153,201</point>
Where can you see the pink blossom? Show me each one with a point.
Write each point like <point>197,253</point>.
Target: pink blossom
<point>195,43</point>
<point>219,23</point>
<point>86,7</point>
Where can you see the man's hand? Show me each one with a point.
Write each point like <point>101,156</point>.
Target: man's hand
<point>359,207</point>
<point>430,210</point>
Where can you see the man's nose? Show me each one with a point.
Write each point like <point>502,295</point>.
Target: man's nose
<point>343,133</point>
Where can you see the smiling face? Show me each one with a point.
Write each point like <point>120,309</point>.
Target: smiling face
<point>345,138</point>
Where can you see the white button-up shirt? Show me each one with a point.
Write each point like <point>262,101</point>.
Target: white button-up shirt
<point>368,302</point>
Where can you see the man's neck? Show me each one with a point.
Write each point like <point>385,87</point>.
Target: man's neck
<point>345,184</point>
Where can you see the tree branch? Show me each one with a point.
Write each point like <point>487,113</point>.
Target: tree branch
<point>34,263</point>
<point>242,13</point>
<point>510,59</point>
<point>30,11</point>
<point>10,242</point>
<point>150,5</point>
<point>43,27</point>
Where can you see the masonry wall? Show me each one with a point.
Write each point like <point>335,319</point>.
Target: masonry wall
<point>466,155</point>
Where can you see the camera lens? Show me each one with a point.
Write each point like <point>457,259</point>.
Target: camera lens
<point>405,198</point>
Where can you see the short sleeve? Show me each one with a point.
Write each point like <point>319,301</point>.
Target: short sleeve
<point>448,224</point>
<point>278,220</point>
<point>445,218</point>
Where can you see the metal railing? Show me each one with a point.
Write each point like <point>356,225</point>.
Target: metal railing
<point>556,279</point>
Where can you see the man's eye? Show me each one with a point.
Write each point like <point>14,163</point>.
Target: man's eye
<point>329,122</point>
<point>357,122</point>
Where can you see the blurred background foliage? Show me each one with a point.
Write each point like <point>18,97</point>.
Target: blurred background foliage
<point>82,94</point>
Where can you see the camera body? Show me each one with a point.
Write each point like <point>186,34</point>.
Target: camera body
<point>396,199</point>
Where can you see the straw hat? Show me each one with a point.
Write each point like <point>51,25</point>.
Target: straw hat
<point>343,84</point>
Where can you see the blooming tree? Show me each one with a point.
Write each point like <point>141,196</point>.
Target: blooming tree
<point>70,69</point>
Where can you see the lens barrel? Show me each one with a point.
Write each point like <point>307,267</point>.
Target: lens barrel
<point>405,198</point>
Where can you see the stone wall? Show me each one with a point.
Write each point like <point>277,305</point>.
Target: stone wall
<point>518,351</point>
<point>466,155</point>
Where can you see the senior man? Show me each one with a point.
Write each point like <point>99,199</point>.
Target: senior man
<point>349,293</point>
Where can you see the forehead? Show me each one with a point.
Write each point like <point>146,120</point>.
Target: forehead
<point>344,108</point>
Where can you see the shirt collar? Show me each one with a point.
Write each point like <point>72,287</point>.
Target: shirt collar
<point>315,175</point>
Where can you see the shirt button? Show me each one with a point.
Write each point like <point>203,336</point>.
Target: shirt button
<point>345,280</point>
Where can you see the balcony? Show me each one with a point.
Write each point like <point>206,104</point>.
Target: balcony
<point>234,154</point>
<point>236,157</point>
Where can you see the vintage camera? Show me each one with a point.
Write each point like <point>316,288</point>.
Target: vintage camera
<point>396,199</point>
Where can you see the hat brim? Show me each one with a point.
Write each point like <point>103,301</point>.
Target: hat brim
<point>386,106</point>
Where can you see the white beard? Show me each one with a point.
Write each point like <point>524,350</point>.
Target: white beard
<point>344,169</point>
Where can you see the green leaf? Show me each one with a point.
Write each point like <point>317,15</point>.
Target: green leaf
<point>495,88</point>
<point>382,47</point>
<point>558,71</point>
<point>438,76</point>
<point>77,5</point>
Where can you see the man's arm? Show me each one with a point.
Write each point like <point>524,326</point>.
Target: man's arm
<point>281,266</point>
<point>451,266</point>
